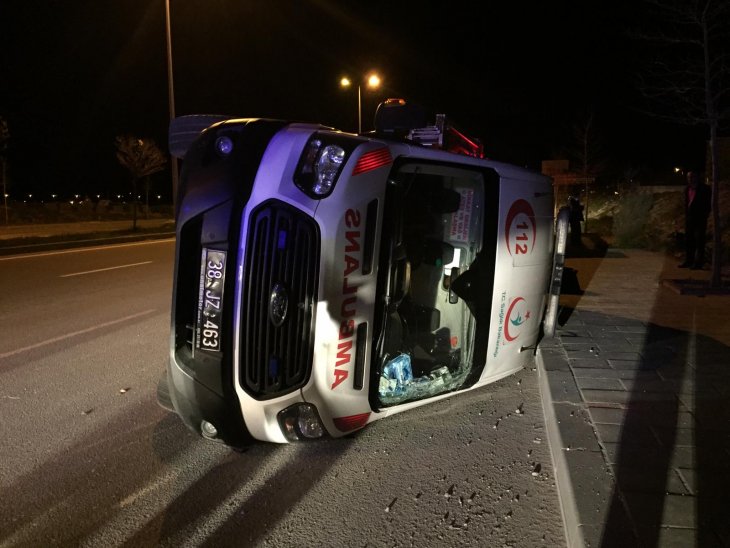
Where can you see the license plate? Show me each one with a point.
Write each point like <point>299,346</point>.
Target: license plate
<point>210,300</point>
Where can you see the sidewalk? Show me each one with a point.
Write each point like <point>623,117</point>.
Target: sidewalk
<point>635,390</point>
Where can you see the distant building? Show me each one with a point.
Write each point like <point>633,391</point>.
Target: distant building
<point>564,177</point>
<point>567,182</point>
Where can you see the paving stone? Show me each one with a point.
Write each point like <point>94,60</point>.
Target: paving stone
<point>593,485</point>
<point>721,371</point>
<point>629,356</point>
<point>645,396</point>
<point>673,537</point>
<point>648,456</point>
<point>583,353</point>
<point>576,428</point>
<point>689,478</point>
<point>617,415</point>
<point>684,457</point>
<point>567,339</point>
<point>714,523</point>
<point>563,387</point>
<point>710,390</point>
<point>605,346</point>
<point>663,361</point>
<point>592,363</point>
<point>628,364</point>
<point>651,512</point>
<point>610,337</point>
<point>635,434</point>
<point>676,437</point>
<point>573,346</point>
<point>556,352</point>
<point>675,419</point>
<point>625,397</point>
<point>675,372</point>
<point>636,374</point>
<point>550,342</point>
<point>651,385</point>
<point>554,360</point>
<point>606,396</point>
<point>619,533</point>
<point>638,481</point>
<point>709,419</point>
<point>634,329</point>
<point>680,511</point>
<point>607,415</point>
<point>602,323</point>
<point>713,354</point>
<point>598,383</point>
<point>605,332</point>
<point>699,400</point>
<point>591,316</point>
<point>595,373</point>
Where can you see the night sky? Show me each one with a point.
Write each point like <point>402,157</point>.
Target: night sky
<point>519,76</point>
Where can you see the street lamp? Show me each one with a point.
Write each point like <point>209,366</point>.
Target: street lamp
<point>171,97</point>
<point>372,82</point>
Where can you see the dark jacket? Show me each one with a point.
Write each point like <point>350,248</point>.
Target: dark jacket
<point>699,209</point>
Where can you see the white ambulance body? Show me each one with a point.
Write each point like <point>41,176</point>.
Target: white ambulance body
<point>325,280</point>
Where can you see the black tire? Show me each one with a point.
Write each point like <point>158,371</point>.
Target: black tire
<point>185,129</point>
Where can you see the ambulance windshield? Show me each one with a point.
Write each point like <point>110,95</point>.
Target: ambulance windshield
<point>433,232</point>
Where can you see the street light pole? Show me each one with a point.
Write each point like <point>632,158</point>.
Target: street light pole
<point>373,82</point>
<point>171,98</point>
<point>359,110</point>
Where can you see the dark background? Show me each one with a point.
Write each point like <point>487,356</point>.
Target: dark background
<point>517,75</point>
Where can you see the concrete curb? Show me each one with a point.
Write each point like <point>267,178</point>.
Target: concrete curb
<point>566,494</point>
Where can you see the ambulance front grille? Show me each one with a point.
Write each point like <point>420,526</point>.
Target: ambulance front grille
<point>280,272</point>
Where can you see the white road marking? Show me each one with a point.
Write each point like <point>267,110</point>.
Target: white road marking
<point>75,334</point>
<point>83,249</point>
<point>103,269</point>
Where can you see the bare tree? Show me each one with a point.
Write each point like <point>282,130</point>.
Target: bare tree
<point>586,152</point>
<point>142,158</point>
<point>4,139</point>
<point>687,79</point>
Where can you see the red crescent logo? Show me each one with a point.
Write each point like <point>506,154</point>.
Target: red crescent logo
<point>524,233</point>
<point>507,318</point>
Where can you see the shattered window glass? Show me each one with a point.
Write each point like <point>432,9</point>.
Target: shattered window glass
<point>432,234</point>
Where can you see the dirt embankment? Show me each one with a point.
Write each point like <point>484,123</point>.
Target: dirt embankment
<point>651,220</point>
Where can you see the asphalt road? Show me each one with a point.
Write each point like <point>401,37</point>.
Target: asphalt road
<point>88,458</point>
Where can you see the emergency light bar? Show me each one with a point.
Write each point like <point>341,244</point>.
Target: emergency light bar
<point>397,118</point>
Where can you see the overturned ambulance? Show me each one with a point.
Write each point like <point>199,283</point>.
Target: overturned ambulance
<point>325,280</point>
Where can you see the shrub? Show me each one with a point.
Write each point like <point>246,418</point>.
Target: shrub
<point>630,220</point>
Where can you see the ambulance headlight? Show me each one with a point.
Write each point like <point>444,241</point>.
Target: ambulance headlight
<point>300,422</point>
<point>321,164</point>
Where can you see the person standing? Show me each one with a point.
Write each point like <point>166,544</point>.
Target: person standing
<point>697,200</point>
<point>575,209</point>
